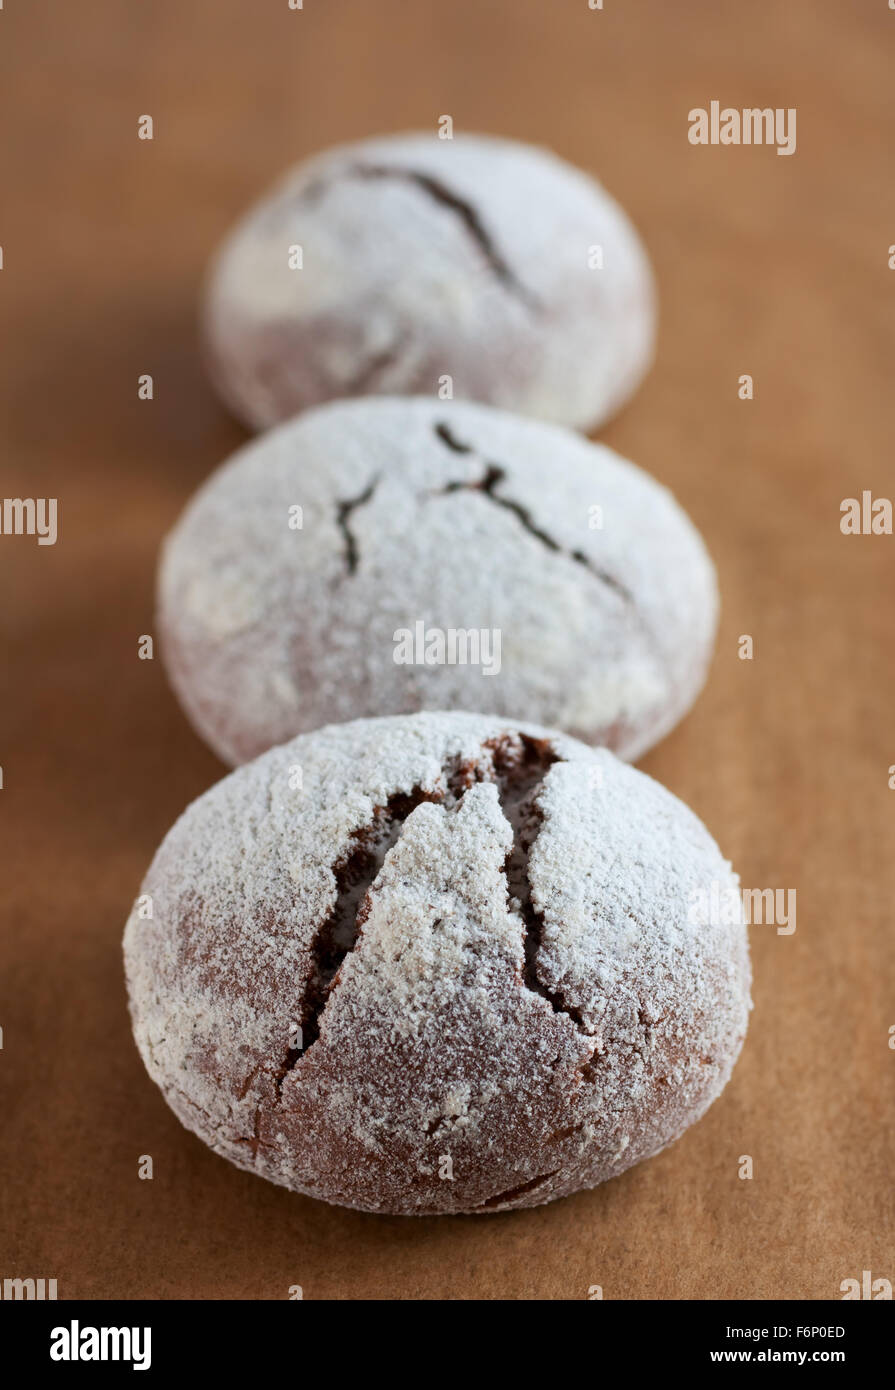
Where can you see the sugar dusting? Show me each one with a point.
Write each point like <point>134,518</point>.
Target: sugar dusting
<point>442,1075</point>
<point>422,257</point>
<point>606,630</point>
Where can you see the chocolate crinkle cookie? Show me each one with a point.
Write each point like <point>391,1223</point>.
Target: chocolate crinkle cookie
<point>439,963</point>
<point>384,556</point>
<point>405,262</point>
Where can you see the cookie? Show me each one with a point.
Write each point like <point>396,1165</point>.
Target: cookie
<point>438,963</point>
<point>407,264</point>
<point>384,556</point>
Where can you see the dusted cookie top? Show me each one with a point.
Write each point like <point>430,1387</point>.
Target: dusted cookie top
<point>449,556</point>
<point>437,963</point>
<point>481,260</point>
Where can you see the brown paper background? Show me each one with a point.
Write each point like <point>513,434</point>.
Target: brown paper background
<point>768,265</point>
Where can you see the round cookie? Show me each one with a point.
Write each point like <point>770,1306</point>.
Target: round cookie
<point>395,264</point>
<point>445,555</point>
<point>438,963</point>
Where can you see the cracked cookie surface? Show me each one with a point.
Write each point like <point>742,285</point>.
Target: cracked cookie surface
<point>449,514</point>
<point>457,969</point>
<point>424,258</point>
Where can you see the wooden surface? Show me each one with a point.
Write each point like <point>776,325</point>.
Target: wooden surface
<point>771,266</point>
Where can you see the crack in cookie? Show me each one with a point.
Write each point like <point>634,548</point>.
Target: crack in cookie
<point>487,485</point>
<point>343,515</point>
<point>445,197</point>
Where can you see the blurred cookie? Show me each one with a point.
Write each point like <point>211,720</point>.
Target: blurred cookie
<point>408,264</point>
<point>384,556</point>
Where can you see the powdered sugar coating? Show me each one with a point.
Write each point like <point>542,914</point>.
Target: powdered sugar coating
<point>606,631</point>
<point>530,1000</point>
<point>486,260</point>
